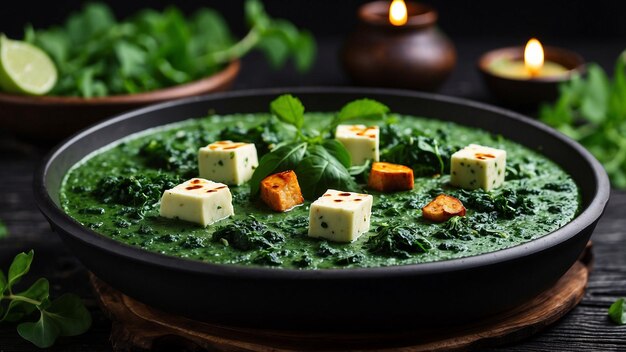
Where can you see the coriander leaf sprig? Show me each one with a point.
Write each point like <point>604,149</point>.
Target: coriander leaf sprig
<point>64,316</point>
<point>592,110</point>
<point>99,55</point>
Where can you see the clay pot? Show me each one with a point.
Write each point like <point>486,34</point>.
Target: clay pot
<point>416,55</point>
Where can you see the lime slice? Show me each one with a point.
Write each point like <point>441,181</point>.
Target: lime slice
<point>25,69</point>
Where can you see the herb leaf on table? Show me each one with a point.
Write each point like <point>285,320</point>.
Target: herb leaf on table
<point>64,316</point>
<point>617,311</point>
<point>592,110</point>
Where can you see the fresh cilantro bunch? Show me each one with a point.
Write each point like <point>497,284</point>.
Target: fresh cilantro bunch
<point>592,110</point>
<point>64,316</point>
<point>319,162</point>
<point>97,55</point>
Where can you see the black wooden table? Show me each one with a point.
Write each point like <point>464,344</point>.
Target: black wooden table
<point>586,328</point>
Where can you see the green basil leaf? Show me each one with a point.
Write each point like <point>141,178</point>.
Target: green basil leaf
<point>360,109</point>
<point>288,109</point>
<point>285,157</point>
<point>42,333</point>
<point>4,232</point>
<point>69,314</point>
<point>320,171</point>
<point>336,149</point>
<point>617,312</point>
<point>20,267</point>
<point>358,170</point>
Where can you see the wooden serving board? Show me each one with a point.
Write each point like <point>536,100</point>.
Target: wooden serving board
<point>137,326</point>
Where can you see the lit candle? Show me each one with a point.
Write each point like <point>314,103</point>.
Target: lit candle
<point>398,13</point>
<point>533,65</point>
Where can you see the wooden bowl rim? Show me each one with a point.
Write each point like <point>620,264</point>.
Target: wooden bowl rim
<point>196,87</point>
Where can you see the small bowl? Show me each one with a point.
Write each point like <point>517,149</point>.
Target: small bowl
<point>52,118</point>
<point>528,93</point>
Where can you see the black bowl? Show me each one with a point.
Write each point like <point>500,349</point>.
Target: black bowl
<point>444,292</point>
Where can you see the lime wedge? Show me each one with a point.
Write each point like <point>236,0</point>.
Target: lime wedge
<point>25,69</point>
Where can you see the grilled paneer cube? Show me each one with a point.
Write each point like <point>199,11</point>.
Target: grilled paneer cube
<point>197,200</point>
<point>442,208</point>
<point>361,142</point>
<point>340,216</point>
<point>229,162</point>
<point>477,166</point>
<point>281,191</point>
<point>388,177</point>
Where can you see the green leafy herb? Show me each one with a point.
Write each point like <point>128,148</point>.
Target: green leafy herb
<point>285,157</point>
<point>617,311</point>
<point>319,163</point>
<point>97,55</point>
<point>64,316</point>
<point>289,110</point>
<point>359,109</point>
<point>319,170</point>
<point>592,110</point>
<point>4,230</point>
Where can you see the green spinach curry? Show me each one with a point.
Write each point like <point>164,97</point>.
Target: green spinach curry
<point>116,193</point>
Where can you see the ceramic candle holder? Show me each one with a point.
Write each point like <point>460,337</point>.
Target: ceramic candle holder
<point>416,55</point>
<point>528,92</point>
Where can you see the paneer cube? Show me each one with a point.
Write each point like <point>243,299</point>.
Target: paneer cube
<point>197,200</point>
<point>281,191</point>
<point>228,162</point>
<point>340,216</point>
<point>442,208</point>
<point>477,166</point>
<point>388,177</point>
<point>361,142</point>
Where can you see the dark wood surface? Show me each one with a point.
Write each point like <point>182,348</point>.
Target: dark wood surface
<point>136,326</point>
<point>586,328</point>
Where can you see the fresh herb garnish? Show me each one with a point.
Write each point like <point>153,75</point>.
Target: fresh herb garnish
<point>617,311</point>
<point>97,55</point>
<point>64,316</point>
<point>592,110</point>
<point>320,163</point>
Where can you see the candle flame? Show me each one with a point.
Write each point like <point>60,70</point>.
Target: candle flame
<point>533,56</point>
<point>397,13</point>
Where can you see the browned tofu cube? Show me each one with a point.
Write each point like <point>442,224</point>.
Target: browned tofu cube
<point>388,177</point>
<point>443,208</point>
<point>281,191</point>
